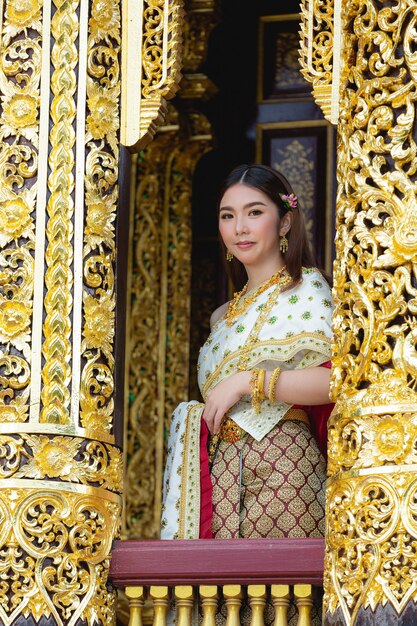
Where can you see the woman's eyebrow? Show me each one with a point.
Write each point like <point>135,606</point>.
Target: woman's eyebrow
<point>246,206</point>
<point>251,204</point>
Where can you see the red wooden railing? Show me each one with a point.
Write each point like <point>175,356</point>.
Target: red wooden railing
<point>217,562</point>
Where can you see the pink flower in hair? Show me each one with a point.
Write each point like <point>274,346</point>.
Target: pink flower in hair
<point>290,201</point>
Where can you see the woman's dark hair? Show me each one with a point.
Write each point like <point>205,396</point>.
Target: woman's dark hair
<point>273,184</point>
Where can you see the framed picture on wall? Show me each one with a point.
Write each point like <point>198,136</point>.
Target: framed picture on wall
<point>279,76</point>
<point>304,151</point>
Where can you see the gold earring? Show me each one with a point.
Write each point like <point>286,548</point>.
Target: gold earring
<point>229,256</point>
<point>283,244</point>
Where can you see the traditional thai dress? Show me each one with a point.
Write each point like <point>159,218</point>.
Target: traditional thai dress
<point>267,475</point>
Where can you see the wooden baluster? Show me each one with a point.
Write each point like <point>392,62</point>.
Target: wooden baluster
<point>184,600</point>
<point>280,596</point>
<point>304,601</point>
<point>160,597</point>
<point>136,600</point>
<point>257,602</point>
<point>233,600</point>
<point>209,597</point>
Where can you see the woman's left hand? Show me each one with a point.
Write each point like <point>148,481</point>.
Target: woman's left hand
<point>222,397</point>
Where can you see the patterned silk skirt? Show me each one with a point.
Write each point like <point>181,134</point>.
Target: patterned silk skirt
<point>272,489</point>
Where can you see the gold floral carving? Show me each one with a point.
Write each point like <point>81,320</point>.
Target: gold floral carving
<point>101,195</point>
<point>154,36</point>
<point>60,472</point>
<point>20,55</point>
<point>320,52</point>
<point>376,516</point>
<point>161,62</point>
<point>160,269</point>
<point>371,516</point>
<point>55,547</point>
<point>56,375</point>
<point>60,72</point>
<point>287,66</point>
<point>159,314</point>
<point>70,459</point>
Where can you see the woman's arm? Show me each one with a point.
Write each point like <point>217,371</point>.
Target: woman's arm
<point>309,386</point>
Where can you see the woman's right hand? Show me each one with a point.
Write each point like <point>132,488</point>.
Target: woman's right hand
<point>222,397</point>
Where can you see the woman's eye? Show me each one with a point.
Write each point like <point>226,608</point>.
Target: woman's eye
<point>226,216</point>
<point>255,212</point>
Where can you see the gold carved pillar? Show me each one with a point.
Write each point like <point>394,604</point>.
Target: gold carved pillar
<point>160,274</point>
<point>159,311</point>
<point>60,465</point>
<point>371,555</point>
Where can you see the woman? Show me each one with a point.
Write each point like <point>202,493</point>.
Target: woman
<point>264,377</point>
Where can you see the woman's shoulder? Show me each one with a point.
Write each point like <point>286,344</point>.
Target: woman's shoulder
<point>316,294</point>
<point>313,277</point>
<point>218,313</point>
<point>313,290</point>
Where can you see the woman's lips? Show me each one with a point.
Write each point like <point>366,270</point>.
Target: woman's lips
<point>244,245</point>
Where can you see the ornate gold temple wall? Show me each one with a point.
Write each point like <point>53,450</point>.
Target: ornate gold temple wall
<point>60,464</point>
<point>367,55</point>
<point>160,270</point>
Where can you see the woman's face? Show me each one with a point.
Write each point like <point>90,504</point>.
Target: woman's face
<point>250,226</point>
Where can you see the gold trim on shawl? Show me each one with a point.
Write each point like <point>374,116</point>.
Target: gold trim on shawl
<point>189,508</point>
<point>183,501</point>
<point>272,343</point>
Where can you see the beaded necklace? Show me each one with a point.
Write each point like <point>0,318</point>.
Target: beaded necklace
<point>252,338</point>
<point>243,354</point>
<point>234,309</point>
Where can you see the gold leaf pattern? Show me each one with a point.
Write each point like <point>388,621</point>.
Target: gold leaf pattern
<point>101,194</point>
<point>371,554</point>
<point>162,234</point>
<point>20,91</point>
<point>320,52</point>
<point>56,374</point>
<point>71,459</point>
<point>76,531</point>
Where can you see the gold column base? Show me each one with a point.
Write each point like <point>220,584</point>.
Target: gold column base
<point>55,541</point>
<point>371,547</point>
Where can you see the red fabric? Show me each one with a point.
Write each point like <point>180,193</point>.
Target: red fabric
<point>319,416</point>
<point>206,489</point>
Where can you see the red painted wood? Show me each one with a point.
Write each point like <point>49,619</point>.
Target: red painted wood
<point>210,561</point>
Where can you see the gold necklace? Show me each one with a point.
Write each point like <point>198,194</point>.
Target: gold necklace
<point>235,308</point>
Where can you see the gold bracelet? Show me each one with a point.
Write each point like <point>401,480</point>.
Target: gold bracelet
<point>253,387</point>
<point>256,405</point>
<point>261,384</point>
<point>256,388</point>
<point>253,379</point>
<point>272,387</point>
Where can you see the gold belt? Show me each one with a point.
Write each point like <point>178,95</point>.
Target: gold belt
<point>231,432</point>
